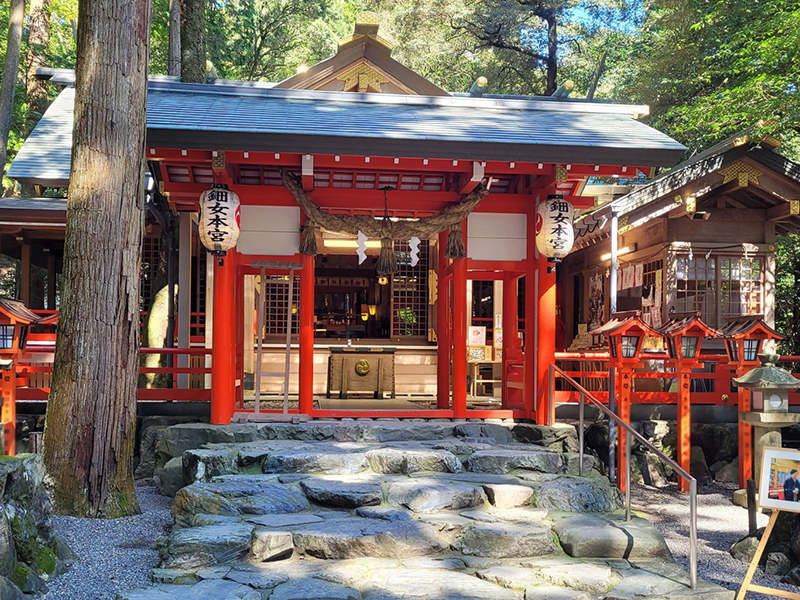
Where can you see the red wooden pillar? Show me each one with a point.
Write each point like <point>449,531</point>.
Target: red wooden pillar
<point>9,411</point>
<point>745,437</point>
<point>223,376</point>
<point>546,342</point>
<point>460,338</point>
<point>684,424</point>
<point>531,319</point>
<point>509,323</point>
<point>442,329</point>
<point>624,413</point>
<point>306,352</point>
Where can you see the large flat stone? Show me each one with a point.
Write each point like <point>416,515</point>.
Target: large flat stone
<point>255,577</point>
<point>284,521</point>
<point>601,537</point>
<point>196,547</point>
<point>314,431</point>
<point>502,461</point>
<point>431,584</point>
<point>509,577</point>
<point>596,579</point>
<point>313,589</point>
<point>396,460</point>
<point>352,538</point>
<point>269,544</point>
<point>386,513</point>
<point>500,434</point>
<point>345,494</point>
<point>508,496</point>
<point>561,436</point>
<point>209,589</point>
<point>372,432</point>
<point>576,494</point>
<point>235,498</point>
<point>640,584</point>
<point>202,465</point>
<point>429,495</point>
<point>551,592</point>
<point>506,540</point>
<point>323,460</point>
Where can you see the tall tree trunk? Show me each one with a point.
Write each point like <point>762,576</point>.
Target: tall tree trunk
<point>193,41</point>
<point>38,43</point>
<point>552,53</point>
<point>10,73</point>
<point>91,413</point>
<point>174,51</point>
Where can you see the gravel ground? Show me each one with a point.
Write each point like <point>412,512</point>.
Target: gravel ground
<point>114,555</point>
<point>720,524</point>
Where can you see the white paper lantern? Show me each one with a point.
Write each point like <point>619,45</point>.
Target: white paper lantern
<point>554,231</point>
<point>219,219</point>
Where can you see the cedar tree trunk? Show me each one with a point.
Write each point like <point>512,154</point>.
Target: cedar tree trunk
<point>552,52</point>
<point>38,43</point>
<point>91,413</point>
<point>193,41</point>
<point>10,72</point>
<point>174,51</point>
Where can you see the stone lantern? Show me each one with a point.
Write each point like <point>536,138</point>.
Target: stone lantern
<point>15,319</point>
<point>769,387</point>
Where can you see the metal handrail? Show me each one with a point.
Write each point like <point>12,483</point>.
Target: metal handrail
<point>585,394</point>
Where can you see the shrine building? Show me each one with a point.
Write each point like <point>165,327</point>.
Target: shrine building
<point>357,142</point>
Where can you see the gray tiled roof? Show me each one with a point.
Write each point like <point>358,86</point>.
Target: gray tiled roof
<point>253,118</point>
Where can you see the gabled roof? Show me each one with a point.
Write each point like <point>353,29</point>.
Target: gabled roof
<point>746,325</point>
<point>17,311</point>
<point>253,118</point>
<point>683,322</point>
<point>702,175</point>
<point>362,63</point>
<point>622,321</point>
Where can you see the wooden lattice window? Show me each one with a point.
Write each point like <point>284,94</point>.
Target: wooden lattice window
<point>410,292</point>
<point>276,291</point>
<point>151,248</point>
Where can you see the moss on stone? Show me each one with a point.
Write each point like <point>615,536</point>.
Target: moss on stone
<point>24,530</point>
<point>19,574</point>
<point>46,560</point>
<point>254,469</point>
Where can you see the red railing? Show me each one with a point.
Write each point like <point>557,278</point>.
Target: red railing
<point>33,376</point>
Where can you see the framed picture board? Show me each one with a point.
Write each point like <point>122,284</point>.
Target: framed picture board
<point>476,353</point>
<point>477,336</point>
<point>780,479</point>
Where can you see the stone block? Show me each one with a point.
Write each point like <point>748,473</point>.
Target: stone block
<point>589,536</point>
<point>429,495</point>
<point>506,540</point>
<point>269,544</point>
<point>342,493</point>
<point>508,496</point>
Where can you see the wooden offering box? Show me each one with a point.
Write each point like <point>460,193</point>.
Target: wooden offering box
<point>361,369</point>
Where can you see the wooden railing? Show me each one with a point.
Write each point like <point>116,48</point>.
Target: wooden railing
<point>34,376</point>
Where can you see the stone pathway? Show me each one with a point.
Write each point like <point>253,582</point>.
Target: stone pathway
<point>399,511</point>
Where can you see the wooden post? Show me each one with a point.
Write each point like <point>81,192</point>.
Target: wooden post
<point>752,509</point>
<point>684,424</point>
<point>460,338</point>
<point>223,377</point>
<point>745,437</point>
<point>25,275</point>
<point>747,586</point>
<point>51,281</point>
<point>306,342</point>
<point>546,342</point>
<point>531,315</point>
<point>184,291</point>
<point>624,413</point>
<point>510,320</point>
<point>9,411</point>
<point>442,329</point>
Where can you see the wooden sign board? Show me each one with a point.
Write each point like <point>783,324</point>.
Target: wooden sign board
<point>780,477</point>
<point>477,336</point>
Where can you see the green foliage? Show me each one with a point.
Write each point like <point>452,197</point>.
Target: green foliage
<point>787,300</point>
<point>46,560</point>
<point>711,69</point>
<point>19,575</point>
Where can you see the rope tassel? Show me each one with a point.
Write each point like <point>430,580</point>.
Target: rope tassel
<point>387,261</point>
<point>308,239</point>
<point>455,243</point>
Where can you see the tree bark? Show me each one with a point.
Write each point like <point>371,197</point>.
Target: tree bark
<point>174,51</point>
<point>552,53</point>
<point>193,41</point>
<point>38,42</point>
<point>91,413</point>
<point>10,73</point>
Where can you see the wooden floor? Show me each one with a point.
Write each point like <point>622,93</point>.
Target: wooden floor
<point>273,402</point>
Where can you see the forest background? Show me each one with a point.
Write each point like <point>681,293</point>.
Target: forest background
<point>707,69</point>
